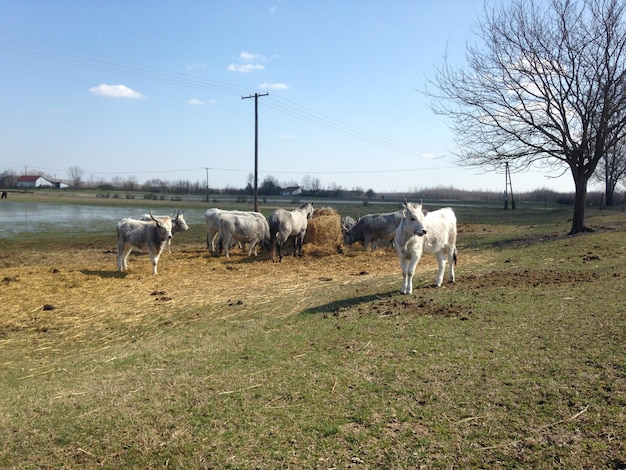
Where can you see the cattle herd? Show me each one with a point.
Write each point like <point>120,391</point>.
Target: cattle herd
<point>412,231</point>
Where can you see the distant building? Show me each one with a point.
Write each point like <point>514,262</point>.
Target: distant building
<point>291,191</point>
<point>33,181</point>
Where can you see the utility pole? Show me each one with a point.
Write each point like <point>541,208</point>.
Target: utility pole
<point>207,183</point>
<point>508,185</point>
<point>256,146</point>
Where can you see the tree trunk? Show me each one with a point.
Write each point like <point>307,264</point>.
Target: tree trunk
<point>580,201</point>
<point>609,197</point>
<point>608,187</point>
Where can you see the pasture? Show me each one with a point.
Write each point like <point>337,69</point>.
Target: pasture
<point>318,362</point>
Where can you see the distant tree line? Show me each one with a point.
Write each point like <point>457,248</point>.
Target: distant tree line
<point>309,188</point>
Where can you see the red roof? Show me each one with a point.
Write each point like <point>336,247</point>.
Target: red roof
<point>29,178</point>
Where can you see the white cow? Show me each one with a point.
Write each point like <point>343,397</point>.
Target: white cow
<point>243,228</point>
<point>178,224</point>
<point>212,219</point>
<point>151,236</point>
<point>433,233</point>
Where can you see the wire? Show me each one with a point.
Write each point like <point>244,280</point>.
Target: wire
<point>41,50</point>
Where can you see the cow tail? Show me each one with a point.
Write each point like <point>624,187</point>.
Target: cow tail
<point>454,256</point>
<point>273,237</point>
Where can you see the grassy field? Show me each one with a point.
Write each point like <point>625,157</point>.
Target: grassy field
<point>318,362</point>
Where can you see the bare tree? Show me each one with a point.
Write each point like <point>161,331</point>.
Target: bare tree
<point>75,176</point>
<point>310,183</point>
<point>547,87</point>
<point>8,179</point>
<point>612,170</point>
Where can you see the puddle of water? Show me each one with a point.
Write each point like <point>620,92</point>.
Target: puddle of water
<point>18,217</point>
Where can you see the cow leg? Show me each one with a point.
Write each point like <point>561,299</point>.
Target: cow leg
<point>297,245</point>
<point>367,242</point>
<point>224,245</point>
<point>154,259</point>
<point>441,267</point>
<point>122,258</point>
<point>410,262</point>
<point>410,273</point>
<point>210,240</point>
<point>254,244</point>
<point>279,248</point>
<point>407,278</point>
<point>452,263</point>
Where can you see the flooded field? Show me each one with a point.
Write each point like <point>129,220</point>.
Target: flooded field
<point>17,217</point>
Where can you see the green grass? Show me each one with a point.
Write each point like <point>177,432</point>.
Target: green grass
<point>522,364</point>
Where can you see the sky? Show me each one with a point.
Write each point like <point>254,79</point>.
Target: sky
<point>156,90</point>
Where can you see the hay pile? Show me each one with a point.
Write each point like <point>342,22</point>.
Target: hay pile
<point>323,233</point>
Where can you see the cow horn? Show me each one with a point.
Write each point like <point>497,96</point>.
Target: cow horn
<point>150,212</point>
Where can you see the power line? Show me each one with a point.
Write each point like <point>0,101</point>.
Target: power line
<point>41,50</point>
<point>306,114</point>
<point>71,56</point>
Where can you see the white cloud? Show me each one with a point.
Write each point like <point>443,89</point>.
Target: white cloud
<point>196,67</point>
<point>195,102</point>
<point>273,9</point>
<point>115,91</point>
<point>273,86</point>
<point>285,136</point>
<point>245,68</point>
<point>249,57</point>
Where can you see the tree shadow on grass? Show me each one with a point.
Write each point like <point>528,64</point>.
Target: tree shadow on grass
<point>336,305</point>
<point>104,274</point>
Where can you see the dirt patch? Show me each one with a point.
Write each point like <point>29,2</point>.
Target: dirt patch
<point>526,277</point>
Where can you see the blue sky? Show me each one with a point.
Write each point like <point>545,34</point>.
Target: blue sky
<point>154,90</point>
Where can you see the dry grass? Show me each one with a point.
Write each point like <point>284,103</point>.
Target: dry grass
<point>79,293</point>
<point>81,296</point>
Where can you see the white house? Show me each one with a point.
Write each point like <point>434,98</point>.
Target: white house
<point>33,181</point>
<point>291,191</point>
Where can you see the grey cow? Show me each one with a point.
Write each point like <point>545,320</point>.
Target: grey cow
<point>373,227</point>
<point>151,236</point>
<point>243,228</point>
<point>178,224</point>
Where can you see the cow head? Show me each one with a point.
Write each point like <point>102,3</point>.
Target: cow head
<point>179,222</point>
<point>348,238</point>
<point>413,218</point>
<point>164,230</point>
<point>308,208</point>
